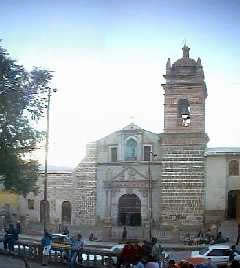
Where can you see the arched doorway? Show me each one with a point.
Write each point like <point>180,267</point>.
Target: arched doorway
<point>234,204</point>
<point>42,209</point>
<point>66,212</point>
<point>129,210</point>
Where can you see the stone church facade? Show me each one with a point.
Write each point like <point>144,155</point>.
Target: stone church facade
<point>150,181</point>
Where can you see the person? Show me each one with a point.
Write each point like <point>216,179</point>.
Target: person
<point>235,264</point>
<point>171,264</point>
<point>151,263</point>
<point>46,244</point>
<point>5,239</point>
<point>210,264</point>
<point>147,248</point>
<point>208,235</point>
<point>157,251</point>
<point>65,231</point>
<point>200,234</point>
<point>139,263</point>
<point>124,234</point>
<point>18,227</point>
<point>92,237</point>
<point>12,237</point>
<point>238,235</point>
<point>231,257</point>
<point>77,246</point>
<point>126,256</point>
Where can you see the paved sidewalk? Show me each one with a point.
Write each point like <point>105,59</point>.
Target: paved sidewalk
<point>109,244</point>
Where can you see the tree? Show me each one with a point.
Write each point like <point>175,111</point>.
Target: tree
<point>23,100</point>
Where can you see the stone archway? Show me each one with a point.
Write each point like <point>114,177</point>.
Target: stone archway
<point>42,210</point>
<point>129,210</point>
<point>66,212</point>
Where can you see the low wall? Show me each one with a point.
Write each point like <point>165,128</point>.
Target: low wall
<point>86,258</point>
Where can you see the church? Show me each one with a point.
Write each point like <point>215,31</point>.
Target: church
<point>149,182</point>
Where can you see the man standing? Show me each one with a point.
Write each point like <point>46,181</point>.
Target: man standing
<point>18,227</point>
<point>238,236</point>
<point>124,234</point>
<point>77,246</point>
<point>46,244</point>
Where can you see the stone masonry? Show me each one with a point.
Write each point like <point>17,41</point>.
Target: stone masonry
<point>183,143</point>
<point>84,189</point>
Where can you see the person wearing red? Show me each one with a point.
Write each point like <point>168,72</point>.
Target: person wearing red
<point>126,255</point>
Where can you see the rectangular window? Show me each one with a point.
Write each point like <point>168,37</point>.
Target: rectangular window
<point>30,204</point>
<point>114,154</point>
<point>147,152</point>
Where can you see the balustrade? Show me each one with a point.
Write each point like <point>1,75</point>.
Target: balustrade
<point>88,257</point>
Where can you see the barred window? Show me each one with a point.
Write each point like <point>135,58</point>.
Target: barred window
<point>234,168</point>
<point>114,154</point>
<point>147,152</point>
<point>30,204</point>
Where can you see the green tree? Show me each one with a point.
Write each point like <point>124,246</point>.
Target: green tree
<point>23,100</point>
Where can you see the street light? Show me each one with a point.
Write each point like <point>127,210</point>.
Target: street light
<point>46,207</point>
<point>151,155</point>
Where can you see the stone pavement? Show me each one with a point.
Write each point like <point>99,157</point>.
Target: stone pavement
<point>109,244</point>
<point>228,229</point>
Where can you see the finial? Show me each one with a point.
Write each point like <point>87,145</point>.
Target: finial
<point>185,51</point>
<point>168,65</point>
<point>132,119</point>
<point>199,61</point>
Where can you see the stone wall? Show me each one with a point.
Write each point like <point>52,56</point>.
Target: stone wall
<point>59,190</point>
<point>84,189</point>
<point>183,179</point>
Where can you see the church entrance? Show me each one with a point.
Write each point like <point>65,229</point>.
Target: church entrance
<point>129,210</point>
<point>234,204</point>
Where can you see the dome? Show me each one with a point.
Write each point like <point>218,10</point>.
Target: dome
<point>185,62</point>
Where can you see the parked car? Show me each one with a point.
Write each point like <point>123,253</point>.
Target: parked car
<point>219,254</point>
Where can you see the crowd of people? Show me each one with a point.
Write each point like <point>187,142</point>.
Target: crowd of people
<point>76,245</point>
<point>205,238</point>
<point>148,254</point>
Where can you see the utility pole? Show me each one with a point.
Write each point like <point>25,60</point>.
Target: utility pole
<point>45,198</point>
<point>151,156</point>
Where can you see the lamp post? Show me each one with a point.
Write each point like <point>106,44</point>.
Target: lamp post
<point>151,155</point>
<point>46,207</point>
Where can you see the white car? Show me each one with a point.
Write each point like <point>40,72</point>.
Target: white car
<point>219,254</point>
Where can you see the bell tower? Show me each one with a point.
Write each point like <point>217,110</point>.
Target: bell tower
<point>185,94</point>
<point>183,142</point>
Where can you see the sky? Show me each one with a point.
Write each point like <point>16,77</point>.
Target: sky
<point>108,58</point>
